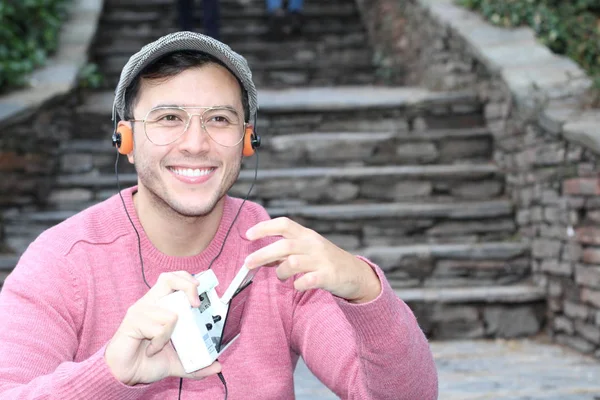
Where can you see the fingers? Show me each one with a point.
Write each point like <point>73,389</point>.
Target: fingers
<point>212,369</point>
<point>281,226</point>
<point>164,322</point>
<point>274,252</point>
<point>171,281</point>
<point>152,323</point>
<point>311,280</point>
<point>295,264</point>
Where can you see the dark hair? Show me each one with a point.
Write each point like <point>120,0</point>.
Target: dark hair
<point>170,65</point>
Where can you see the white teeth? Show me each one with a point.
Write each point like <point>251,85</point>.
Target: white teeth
<point>191,172</point>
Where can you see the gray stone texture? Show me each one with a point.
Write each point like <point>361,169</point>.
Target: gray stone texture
<point>511,322</point>
<point>514,369</point>
<point>545,143</point>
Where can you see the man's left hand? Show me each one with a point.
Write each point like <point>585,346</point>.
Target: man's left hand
<point>324,265</point>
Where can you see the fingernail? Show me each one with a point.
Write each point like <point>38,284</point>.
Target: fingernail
<point>249,233</point>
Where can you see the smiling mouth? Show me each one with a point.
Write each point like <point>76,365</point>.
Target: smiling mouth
<point>191,172</point>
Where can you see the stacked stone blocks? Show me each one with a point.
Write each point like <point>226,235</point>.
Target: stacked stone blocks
<point>545,142</point>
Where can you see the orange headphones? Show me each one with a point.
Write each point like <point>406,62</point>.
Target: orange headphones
<point>122,139</point>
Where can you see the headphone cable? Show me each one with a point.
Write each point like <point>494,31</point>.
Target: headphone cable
<point>220,374</point>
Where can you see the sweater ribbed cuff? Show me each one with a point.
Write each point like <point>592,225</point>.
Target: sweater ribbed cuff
<point>96,381</point>
<point>371,320</point>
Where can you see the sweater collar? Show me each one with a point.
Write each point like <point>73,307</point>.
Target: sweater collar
<point>157,262</point>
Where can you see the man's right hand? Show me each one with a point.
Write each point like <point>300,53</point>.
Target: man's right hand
<point>141,351</point>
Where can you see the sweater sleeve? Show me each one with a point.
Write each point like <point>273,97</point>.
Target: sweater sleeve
<point>365,351</point>
<point>41,311</point>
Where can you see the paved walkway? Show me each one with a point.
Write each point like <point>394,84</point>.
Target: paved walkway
<point>497,370</point>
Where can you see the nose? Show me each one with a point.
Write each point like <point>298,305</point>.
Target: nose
<point>195,139</point>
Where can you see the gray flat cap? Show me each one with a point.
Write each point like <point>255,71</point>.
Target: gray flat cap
<point>184,41</point>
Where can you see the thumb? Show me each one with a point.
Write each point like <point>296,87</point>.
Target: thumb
<point>212,369</point>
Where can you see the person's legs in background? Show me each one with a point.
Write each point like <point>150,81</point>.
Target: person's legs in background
<point>185,14</point>
<point>296,20</point>
<point>295,5</point>
<point>276,15</point>
<point>212,18</point>
<point>273,5</point>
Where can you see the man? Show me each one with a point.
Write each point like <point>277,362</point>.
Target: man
<point>79,313</point>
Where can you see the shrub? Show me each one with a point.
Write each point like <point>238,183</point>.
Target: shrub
<point>90,76</point>
<point>569,27</point>
<point>29,32</point>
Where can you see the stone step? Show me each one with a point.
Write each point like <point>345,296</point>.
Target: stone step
<point>434,265</point>
<point>311,31</point>
<point>477,312</point>
<point>358,212</point>
<point>351,62</point>
<point>310,141</point>
<point>402,223</point>
<point>424,172</point>
<point>307,77</point>
<point>229,15</point>
<point>231,4</point>
<point>359,97</point>
<point>379,148</point>
<point>471,146</point>
<point>310,185</point>
<point>254,48</point>
<point>331,100</point>
<point>451,265</point>
<point>266,59</point>
<point>355,225</point>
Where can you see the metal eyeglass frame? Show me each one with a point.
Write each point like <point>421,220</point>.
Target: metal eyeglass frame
<point>190,116</point>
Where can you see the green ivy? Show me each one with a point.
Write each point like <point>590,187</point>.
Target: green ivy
<point>29,31</point>
<point>90,76</point>
<point>568,27</point>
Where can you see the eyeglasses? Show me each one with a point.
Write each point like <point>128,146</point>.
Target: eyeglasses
<point>164,125</point>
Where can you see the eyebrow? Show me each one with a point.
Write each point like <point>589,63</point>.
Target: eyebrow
<point>194,106</point>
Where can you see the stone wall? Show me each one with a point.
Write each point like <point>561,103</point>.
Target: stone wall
<point>29,147</point>
<point>544,142</point>
<point>35,119</point>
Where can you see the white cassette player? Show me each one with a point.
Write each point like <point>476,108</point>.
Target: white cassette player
<point>202,333</point>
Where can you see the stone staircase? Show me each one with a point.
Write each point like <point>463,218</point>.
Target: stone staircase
<point>401,175</point>
<point>332,49</point>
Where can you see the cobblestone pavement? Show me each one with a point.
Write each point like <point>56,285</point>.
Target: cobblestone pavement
<point>308,387</point>
<point>496,370</point>
<point>515,370</point>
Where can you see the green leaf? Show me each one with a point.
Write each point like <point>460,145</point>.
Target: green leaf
<point>28,33</point>
<point>570,27</point>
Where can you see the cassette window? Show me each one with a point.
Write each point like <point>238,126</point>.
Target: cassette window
<point>235,316</point>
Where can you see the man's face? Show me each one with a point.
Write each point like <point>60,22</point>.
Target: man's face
<point>164,171</point>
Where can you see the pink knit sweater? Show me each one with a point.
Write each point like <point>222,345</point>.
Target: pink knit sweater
<point>72,287</point>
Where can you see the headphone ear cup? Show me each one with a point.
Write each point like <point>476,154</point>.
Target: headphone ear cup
<point>248,146</point>
<point>126,144</point>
